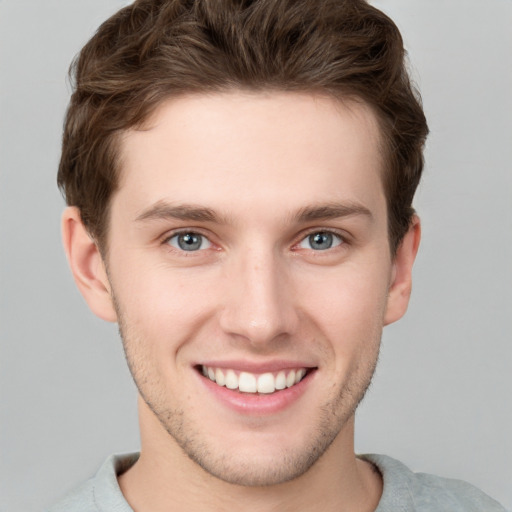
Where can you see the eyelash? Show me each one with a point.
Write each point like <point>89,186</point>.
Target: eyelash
<point>342,238</point>
<point>167,240</point>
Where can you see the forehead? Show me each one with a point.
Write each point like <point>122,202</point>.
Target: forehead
<point>262,150</point>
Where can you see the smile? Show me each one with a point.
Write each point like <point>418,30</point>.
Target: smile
<point>246,382</point>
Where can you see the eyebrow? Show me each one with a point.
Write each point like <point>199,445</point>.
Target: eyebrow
<point>163,210</point>
<point>331,211</point>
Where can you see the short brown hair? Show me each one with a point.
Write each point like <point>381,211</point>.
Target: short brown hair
<point>156,49</point>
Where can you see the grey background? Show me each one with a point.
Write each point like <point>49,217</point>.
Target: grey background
<point>441,397</point>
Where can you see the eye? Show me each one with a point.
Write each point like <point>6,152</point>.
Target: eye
<point>189,241</point>
<point>321,241</point>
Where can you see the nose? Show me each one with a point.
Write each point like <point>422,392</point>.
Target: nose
<point>259,300</point>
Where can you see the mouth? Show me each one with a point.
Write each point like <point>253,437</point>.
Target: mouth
<point>254,383</point>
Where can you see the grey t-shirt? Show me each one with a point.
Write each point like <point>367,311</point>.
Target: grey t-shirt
<point>403,490</point>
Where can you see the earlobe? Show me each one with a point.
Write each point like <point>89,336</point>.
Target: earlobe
<point>401,278</point>
<point>87,265</point>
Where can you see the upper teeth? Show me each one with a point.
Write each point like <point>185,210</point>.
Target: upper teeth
<point>254,383</point>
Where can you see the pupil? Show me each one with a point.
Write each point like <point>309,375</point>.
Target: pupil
<point>321,241</point>
<point>189,242</point>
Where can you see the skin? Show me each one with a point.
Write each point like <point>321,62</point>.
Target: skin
<point>269,170</point>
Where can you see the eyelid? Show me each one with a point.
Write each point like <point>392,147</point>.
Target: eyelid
<point>165,239</point>
<point>181,230</point>
<point>342,235</point>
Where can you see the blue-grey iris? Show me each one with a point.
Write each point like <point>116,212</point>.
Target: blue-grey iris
<point>190,241</point>
<point>321,241</point>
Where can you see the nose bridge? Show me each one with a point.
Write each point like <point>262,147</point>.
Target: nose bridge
<point>258,303</point>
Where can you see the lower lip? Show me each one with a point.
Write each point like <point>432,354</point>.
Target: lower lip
<point>258,404</point>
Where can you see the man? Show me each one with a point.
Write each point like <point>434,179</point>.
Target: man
<point>240,178</point>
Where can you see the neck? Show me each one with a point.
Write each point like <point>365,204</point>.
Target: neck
<point>165,479</point>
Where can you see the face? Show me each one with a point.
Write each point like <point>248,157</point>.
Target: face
<point>250,268</point>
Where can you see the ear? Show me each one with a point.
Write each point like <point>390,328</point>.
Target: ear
<point>87,265</point>
<point>401,276</point>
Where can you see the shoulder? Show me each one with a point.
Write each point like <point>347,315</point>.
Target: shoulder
<point>422,492</point>
<point>100,493</point>
<point>79,500</point>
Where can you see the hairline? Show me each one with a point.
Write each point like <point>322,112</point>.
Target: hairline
<point>346,99</point>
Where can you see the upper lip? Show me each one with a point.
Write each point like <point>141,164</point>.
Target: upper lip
<point>257,367</point>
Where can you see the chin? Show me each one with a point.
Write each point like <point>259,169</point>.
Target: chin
<point>254,459</point>
<point>250,470</point>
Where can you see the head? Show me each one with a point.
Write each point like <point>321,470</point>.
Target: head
<point>155,50</point>
<point>242,176</point>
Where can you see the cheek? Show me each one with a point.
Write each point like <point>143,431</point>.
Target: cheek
<point>346,291</point>
<point>348,307</point>
<point>163,304</point>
